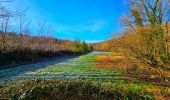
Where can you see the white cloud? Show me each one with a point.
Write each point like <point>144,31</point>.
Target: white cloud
<point>89,26</point>
<point>94,41</point>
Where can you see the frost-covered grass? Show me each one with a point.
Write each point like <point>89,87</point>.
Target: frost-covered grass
<point>78,69</point>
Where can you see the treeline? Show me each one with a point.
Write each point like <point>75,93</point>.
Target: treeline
<point>19,46</point>
<point>104,46</point>
<point>19,49</point>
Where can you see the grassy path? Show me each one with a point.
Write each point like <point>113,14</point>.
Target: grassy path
<point>80,68</point>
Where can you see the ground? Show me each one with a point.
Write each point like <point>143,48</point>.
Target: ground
<point>107,69</point>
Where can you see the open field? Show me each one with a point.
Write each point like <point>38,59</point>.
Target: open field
<point>76,68</point>
<point>81,68</point>
<point>109,70</point>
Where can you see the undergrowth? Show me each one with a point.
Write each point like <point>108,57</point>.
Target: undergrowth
<point>66,90</point>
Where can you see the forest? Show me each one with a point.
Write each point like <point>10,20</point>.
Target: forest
<point>18,46</point>
<point>133,64</point>
<point>25,48</point>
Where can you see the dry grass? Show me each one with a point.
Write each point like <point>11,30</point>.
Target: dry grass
<point>159,94</point>
<point>137,72</point>
<point>117,61</point>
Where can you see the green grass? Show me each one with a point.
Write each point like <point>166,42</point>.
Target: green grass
<point>77,66</point>
<point>78,69</point>
<point>89,57</point>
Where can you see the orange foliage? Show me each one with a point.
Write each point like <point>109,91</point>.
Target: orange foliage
<point>110,62</point>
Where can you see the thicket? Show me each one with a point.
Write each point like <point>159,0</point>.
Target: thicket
<point>147,37</point>
<point>65,90</point>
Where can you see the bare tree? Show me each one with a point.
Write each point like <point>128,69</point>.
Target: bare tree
<point>148,21</point>
<point>4,24</point>
<point>5,16</point>
<point>22,22</point>
<point>41,30</point>
<point>50,32</point>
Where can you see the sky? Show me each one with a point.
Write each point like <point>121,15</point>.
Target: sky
<point>88,20</point>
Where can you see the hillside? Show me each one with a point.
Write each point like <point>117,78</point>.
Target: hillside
<point>25,48</point>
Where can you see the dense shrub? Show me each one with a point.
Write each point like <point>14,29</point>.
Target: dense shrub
<point>28,55</point>
<point>63,90</point>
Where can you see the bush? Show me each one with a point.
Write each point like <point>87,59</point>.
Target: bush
<point>65,90</point>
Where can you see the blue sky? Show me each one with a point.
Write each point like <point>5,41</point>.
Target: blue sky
<point>89,20</point>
